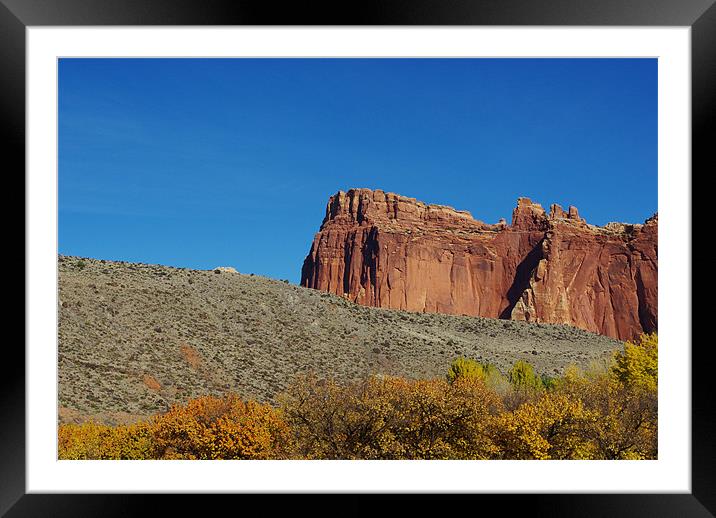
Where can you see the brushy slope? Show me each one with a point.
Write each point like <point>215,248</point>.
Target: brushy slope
<point>135,338</point>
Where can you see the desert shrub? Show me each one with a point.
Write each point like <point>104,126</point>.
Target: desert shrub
<point>220,428</point>
<point>91,440</point>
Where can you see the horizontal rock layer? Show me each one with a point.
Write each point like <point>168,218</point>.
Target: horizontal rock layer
<point>385,250</point>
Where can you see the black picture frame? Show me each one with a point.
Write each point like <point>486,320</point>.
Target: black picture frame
<point>700,15</point>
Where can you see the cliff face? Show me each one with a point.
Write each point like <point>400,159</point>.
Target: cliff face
<point>382,249</point>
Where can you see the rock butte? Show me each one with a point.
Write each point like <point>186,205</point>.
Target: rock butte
<point>382,249</point>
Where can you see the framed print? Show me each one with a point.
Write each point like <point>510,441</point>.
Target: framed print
<point>130,152</point>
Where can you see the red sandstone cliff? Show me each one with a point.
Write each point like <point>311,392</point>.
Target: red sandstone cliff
<point>382,249</point>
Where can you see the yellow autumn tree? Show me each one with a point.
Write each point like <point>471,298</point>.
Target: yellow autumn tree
<point>220,428</point>
<point>637,365</point>
<point>624,400</point>
<point>92,440</point>
<point>390,418</point>
<point>550,428</point>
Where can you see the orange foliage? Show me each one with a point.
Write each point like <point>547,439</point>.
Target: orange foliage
<point>205,428</point>
<point>220,428</point>
<point>95,441</point>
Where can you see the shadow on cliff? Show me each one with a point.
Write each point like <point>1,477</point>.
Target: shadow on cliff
<point>522,279</point>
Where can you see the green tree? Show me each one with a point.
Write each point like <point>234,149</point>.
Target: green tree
<point>522,376</point>
<point>465,368</point>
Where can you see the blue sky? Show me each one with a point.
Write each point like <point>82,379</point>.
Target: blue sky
<point>230,162</point>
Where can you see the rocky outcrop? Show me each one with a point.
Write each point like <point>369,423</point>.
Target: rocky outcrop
<point>225,269</point>
<point>382,249</point>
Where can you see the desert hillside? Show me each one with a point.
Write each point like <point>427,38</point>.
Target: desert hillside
<point>135,338</point>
